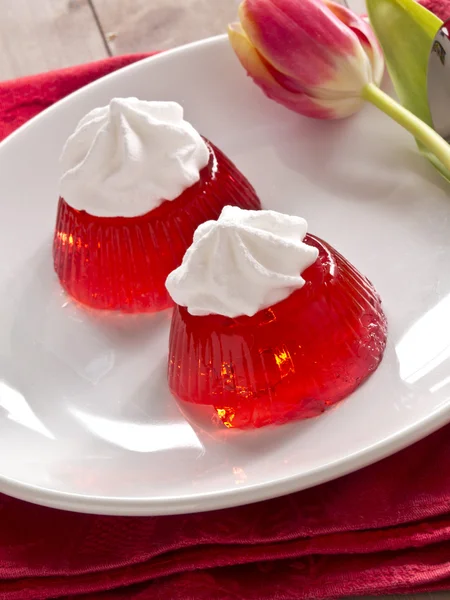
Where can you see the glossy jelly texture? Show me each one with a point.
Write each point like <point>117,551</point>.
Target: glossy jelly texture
<point>290,361</point>
<point>121,263</point>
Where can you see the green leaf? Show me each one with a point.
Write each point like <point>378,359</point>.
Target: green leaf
<point>406,31</point>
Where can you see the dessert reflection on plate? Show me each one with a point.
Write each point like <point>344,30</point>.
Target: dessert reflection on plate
<point>18,410</point>
<point>424,348</point>
<point>140,437</point>
<point>270,324</point>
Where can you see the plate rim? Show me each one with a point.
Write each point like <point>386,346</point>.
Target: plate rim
<point>204,501</point>
<point>195,503</point>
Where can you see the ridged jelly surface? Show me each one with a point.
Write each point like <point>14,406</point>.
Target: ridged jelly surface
<point>290,361</point>
<point>121,264</point>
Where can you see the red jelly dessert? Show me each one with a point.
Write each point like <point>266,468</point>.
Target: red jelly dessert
<point>122,262</point>
<point>292,360</point>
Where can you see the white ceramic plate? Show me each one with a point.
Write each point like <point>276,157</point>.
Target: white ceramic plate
<point>86,420</point>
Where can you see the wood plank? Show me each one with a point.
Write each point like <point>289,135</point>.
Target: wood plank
<point>145,25</point>
<point>46,34</point>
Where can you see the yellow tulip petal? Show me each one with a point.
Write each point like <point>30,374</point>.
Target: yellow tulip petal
<point>248,56</point>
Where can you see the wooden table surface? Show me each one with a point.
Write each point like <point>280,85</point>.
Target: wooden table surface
<point>39,35</point>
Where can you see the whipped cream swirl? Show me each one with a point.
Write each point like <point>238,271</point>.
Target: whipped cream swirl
<point>125,159</point>
<point>245,261</point>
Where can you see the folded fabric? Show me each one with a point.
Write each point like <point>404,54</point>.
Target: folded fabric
<point>440,8</point>
<point>22,99</point>
<point>384,529</point>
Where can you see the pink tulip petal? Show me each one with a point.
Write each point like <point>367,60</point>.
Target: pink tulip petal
<point>319,108</point>
<point>284,91</point>
<point>255,65</point>
<point>300,38</point>
<point>365,34</point>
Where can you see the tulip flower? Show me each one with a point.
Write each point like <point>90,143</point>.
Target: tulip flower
<point>312,56</point>
<point>321,60</point>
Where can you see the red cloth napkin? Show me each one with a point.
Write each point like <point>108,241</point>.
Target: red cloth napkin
<point>441,8</point>
<point>384,529</point>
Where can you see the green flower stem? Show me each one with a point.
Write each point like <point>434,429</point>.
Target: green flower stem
<point>420,130</point>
